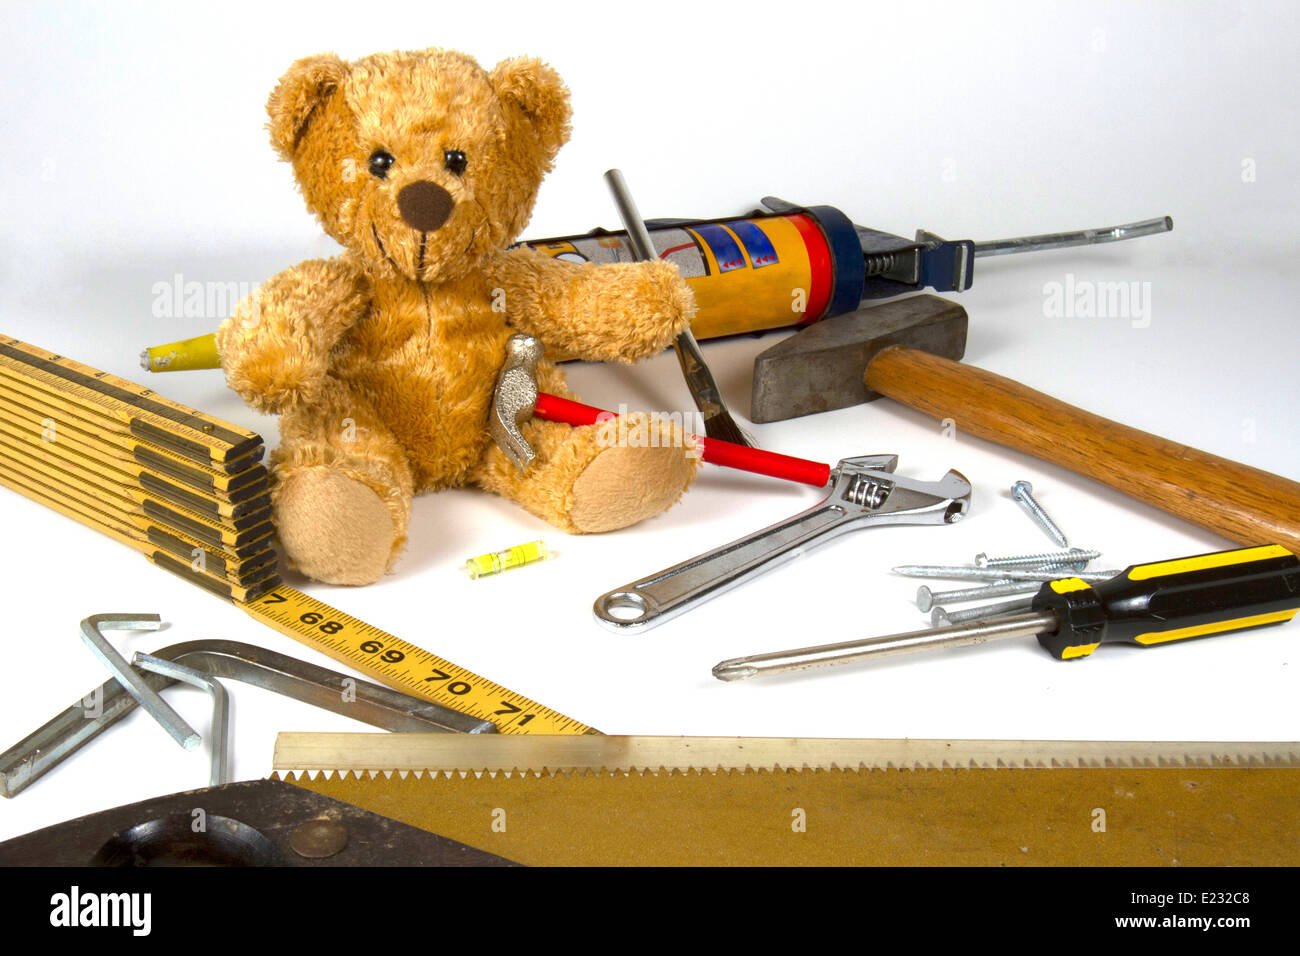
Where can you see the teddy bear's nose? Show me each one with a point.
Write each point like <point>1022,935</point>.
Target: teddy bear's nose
<point>424,205</point>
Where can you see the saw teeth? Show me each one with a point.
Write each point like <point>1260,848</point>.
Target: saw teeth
<point>432,755</point>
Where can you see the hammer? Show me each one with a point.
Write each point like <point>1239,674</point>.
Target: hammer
<point>515,400</point>
<point>906,350</point>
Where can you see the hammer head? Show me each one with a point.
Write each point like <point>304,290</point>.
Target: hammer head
<point>514,397</point>
<point>821,368</point>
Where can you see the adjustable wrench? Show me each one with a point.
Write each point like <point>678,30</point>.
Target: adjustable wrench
<point>864,493</point>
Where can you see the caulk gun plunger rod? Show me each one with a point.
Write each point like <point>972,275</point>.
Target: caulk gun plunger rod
<point>1081,237</point>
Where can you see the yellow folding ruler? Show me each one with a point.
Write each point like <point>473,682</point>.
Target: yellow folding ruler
<point>679,801</point>
<point>189,492</point>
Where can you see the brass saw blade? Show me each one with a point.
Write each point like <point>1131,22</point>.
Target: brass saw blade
<point>885,803</point>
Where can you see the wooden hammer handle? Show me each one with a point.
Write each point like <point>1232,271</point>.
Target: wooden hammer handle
<point>1244,504</point>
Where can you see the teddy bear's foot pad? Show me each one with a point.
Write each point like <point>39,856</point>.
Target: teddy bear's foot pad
<point>333,528</point>
<point>624,485</point>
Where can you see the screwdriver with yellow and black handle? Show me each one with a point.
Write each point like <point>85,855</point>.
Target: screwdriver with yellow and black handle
<point>1146,605</point>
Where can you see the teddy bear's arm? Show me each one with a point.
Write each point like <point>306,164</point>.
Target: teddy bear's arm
<point>275,348</point>
<point>606,313</point>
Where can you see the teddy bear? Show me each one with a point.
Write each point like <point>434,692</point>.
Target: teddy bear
<point>381,362</point>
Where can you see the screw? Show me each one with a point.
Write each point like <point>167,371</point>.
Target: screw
<point>1000,574</point>
<point>942,618</point>
<point>926,599</point>
<point>1023,492</point>
<point>1072,556</point>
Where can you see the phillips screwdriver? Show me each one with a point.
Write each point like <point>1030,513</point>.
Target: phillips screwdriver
<point>1146,605</point>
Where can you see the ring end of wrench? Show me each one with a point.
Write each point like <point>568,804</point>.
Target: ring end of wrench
<point>623,611</point>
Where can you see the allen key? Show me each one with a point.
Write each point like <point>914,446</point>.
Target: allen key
<point>218,732</point>
<point>130,680</point>
<point>382,707</point>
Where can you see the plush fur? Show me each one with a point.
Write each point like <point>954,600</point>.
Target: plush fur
<point>381,362</point>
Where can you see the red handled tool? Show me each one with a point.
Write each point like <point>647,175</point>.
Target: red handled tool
<point>552,408</point>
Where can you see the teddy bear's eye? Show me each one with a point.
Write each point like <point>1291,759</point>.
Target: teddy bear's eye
<point>381,163</point>
<point>455,161</point>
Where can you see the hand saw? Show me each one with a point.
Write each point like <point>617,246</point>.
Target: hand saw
<point>711,801</point>
<point>664,801</point>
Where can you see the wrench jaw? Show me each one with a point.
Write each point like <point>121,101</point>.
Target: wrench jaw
<point>860,463</point>
<point>945,501</point>
<point>957,488</point>
<point>881,497</point>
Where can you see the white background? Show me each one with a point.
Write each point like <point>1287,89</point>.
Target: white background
<point>132,150</point>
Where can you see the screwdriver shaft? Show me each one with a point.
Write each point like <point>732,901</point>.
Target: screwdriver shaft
<point>849,652</point>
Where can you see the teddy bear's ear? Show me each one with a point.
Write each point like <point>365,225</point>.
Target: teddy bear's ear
<point>532,87</point>
<point>307,84</point>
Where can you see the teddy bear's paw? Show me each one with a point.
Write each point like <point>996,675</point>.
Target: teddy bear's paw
<point>645,469</point>
<point>334,528</point>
